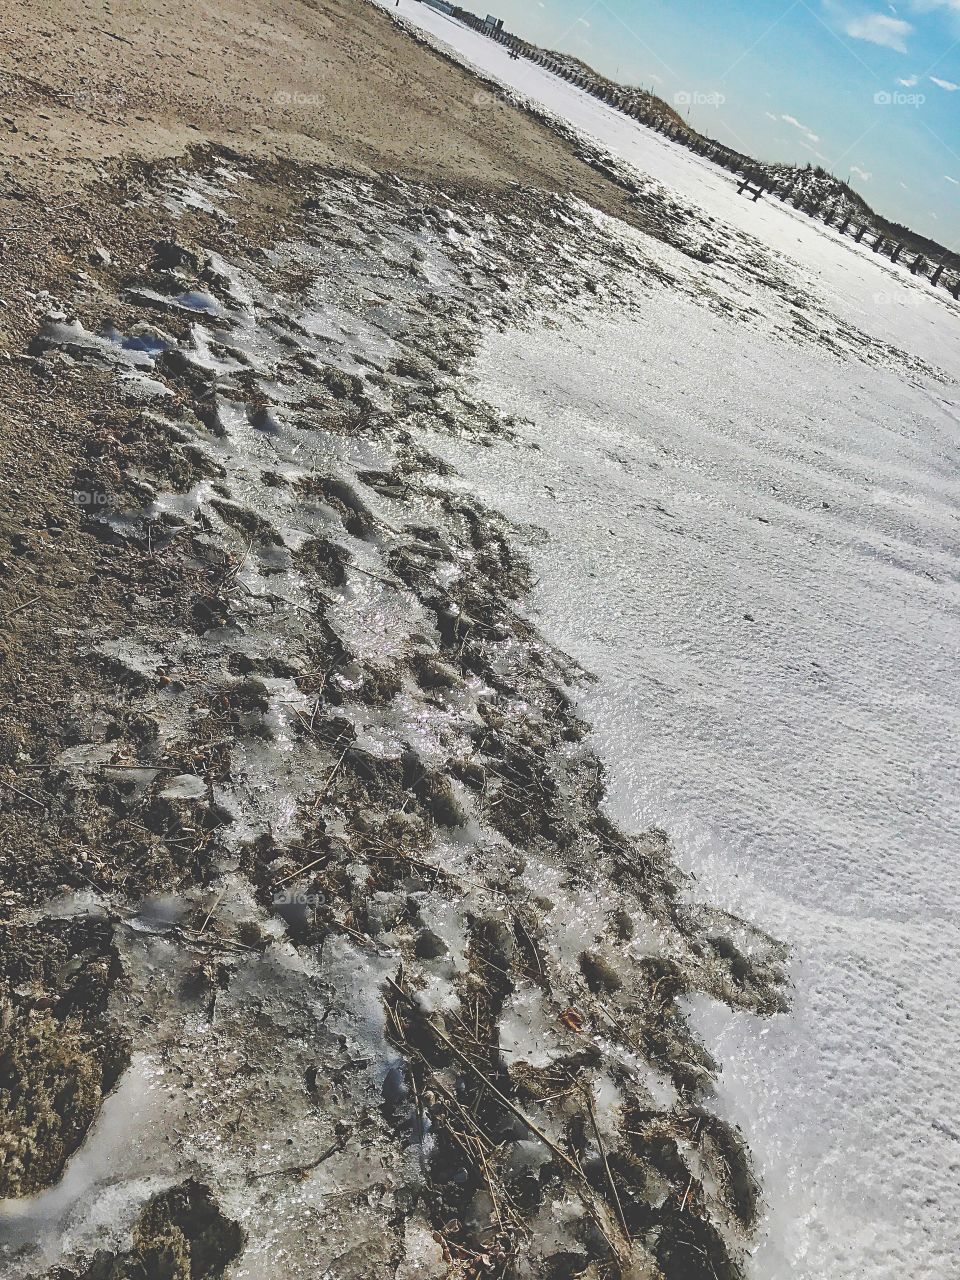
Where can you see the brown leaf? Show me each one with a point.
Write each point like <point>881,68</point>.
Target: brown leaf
<point>572,1020</point>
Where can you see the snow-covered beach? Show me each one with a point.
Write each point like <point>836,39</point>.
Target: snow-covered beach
<point>754,544</point>
<point>479,620</point>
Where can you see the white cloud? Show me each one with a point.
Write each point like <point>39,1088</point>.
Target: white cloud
<point>582,22</point>
<point>771,116</point>
<point>946,84</point>
<point>953,180</point>
<point>877,28</point>
<point>863,174</point>
<point>807,133</point>
<point>909,81</point>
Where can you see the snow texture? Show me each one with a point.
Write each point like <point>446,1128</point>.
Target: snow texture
<point>751,539</point>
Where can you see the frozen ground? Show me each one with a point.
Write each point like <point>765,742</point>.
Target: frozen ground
<point>752,540</point>
<point>411,878</point>
<point>330,774</point>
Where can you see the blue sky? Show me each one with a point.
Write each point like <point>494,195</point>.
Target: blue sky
<point>871,91</point>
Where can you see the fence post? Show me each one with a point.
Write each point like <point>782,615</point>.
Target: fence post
<point>878,245</point>
<point>860,234</point>
<point>935,278</point>
<point>918,265</point>
<point>896,253</point>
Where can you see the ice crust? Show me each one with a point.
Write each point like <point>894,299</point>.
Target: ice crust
<point>755,546</point>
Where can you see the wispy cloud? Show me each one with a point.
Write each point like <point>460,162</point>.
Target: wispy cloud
<point>953,180</point>
<point>863,174</point>
<point>908,82</point>
<point>813,151</point>
<point>807,133</point>
<point>945,84</point>
<point>878,28</point>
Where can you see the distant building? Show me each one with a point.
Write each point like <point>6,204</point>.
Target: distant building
<point>490,23</point>
<point>439,5</point>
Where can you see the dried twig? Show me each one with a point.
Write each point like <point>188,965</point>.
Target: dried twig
<point>301,1168</point>
<point>32,799</point>
<point>292,875</point>
<point>220,898</point>
<point>606,1164</point>
<point>683,1202</point>
<point>26,605</point>
<point>331,775</point>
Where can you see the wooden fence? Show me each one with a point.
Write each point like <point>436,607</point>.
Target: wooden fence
<point>753,183</point>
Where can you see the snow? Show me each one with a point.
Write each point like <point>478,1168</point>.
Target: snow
<point>803,760</point>
<point>856,281</point>
<point>753,543</point>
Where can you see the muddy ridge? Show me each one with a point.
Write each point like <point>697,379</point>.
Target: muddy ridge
<point>323,957</point>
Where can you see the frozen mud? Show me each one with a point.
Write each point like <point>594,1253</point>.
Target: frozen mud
<point>387,990</point>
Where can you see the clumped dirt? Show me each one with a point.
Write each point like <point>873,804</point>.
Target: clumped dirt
<point>60,1053</point>
<point>180,1235</point>
<point>312,761</point>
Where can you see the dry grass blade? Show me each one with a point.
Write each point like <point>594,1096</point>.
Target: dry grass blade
<point>606,1165</point>
<point>586,1190</point>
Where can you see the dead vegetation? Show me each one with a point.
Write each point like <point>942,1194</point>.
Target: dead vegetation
<point>334,758</point>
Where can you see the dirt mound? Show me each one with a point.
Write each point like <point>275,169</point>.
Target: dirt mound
<point>60,1053</point>
<point>180,1235</point>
